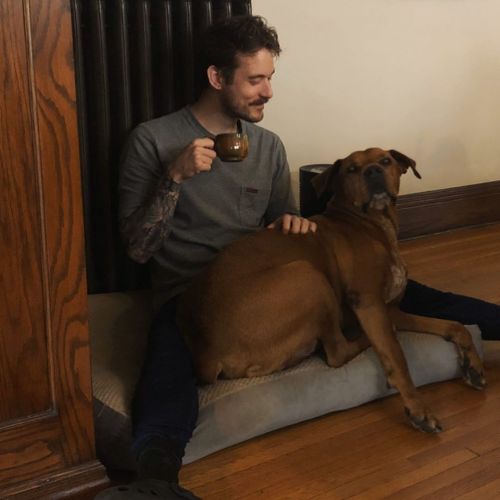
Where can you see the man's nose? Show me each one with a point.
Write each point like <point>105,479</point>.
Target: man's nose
<point>267,89</point>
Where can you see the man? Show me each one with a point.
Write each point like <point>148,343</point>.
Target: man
<point>180,204</point>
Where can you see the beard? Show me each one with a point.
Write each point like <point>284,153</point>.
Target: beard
<point>251,112</point>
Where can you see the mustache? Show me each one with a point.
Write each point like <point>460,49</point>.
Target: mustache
<point>259,102</point>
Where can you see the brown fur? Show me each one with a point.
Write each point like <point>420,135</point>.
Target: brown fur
<point>268,299</point>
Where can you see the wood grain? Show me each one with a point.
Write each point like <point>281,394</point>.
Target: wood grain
<point>24,377</point>
<point>46,421</point>
<point>465,261</point>
<point>370,451</point>
<point>51,33</point>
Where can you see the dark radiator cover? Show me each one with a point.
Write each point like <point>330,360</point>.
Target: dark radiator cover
<point>135,60</point>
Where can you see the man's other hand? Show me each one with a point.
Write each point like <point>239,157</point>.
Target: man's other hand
<point>293,224</point>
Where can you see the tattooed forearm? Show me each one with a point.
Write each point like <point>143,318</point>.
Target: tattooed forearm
<point>145,230</point>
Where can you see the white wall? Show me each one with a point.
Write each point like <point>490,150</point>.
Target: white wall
<point>420,76</point>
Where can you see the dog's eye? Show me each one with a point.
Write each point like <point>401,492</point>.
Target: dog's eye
<point>385,161</point>
<point>352,169</point>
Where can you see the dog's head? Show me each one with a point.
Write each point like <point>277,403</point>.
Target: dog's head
<point>366,179</point>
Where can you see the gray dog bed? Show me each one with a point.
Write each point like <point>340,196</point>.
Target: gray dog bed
<point>232,411</point>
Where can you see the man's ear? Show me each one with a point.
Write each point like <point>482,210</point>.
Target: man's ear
<point>322,183</point>
<point>215,77</point>
<point>405,162</point>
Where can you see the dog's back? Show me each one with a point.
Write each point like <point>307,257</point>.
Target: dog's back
<point>266,300</point>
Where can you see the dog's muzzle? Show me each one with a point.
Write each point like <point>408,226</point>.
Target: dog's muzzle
<point>375,179</point>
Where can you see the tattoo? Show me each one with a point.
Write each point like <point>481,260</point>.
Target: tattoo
<point>146,229</point>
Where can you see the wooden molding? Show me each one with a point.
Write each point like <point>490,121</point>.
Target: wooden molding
<point>445,209</point>
<point>47,443</point>
<point>79,482</point>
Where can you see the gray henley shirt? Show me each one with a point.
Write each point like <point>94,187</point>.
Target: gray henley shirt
<point>214,208</point>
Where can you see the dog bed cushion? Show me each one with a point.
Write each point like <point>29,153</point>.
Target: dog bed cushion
<point>232,411</point>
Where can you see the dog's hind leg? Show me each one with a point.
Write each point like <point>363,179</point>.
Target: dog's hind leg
<point>207,368</point>
<point>338,349</point>
<point>452,331</point>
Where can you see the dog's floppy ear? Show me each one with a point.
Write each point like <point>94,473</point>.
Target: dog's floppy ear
<point>405,162</point>
<point>322,182</point>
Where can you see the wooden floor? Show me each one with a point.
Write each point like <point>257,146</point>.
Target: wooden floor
<point>371,452</point>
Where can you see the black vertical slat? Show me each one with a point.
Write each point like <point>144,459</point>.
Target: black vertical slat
<point>119,69</point>
<point>222,9</point>
<point>202,19</point>
<point>202,16</point>
<point>242,7</point>
<point>141,57</point>
<point>163,57</point>
<point>184,52</point>
<point>129,274</point>
<point>99,124</point>
<point>76,12</point>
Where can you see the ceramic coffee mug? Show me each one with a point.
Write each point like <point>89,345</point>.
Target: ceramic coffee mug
<point>231,147</point>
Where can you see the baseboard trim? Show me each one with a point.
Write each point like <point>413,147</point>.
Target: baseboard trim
<point>445,209</point>
<point>81,482</point>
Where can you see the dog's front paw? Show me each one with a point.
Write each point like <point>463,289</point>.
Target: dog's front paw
<point>472,376</point>
<point>425,422</point>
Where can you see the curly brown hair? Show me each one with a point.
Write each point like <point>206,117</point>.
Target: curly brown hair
<point>225,39</point>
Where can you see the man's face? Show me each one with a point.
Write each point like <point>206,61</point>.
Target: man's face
<point>250,89</point>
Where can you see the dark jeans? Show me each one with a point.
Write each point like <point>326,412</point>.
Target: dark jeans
<point>425,301</point>
<point>166,399</point>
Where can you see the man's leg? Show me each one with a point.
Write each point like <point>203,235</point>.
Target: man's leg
<point>165,406</point>
<point>164,413</point>
<point>425,301</point>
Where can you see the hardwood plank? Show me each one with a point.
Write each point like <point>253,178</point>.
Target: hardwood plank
<point>390,447</point>
<point>463,261</point>
<point>402,480</point>
<point>463,478</point>
<point>485,492</point>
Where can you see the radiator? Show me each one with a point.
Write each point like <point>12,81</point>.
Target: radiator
<point>135,60</point>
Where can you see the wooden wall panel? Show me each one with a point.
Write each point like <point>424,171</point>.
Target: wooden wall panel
<point>55,109</point>
<point>47,445</point>
<point>24,378</point>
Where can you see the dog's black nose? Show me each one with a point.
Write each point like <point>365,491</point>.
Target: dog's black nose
<point>373,171</point>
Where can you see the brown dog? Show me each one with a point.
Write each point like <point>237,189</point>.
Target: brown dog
<point>269,298</point>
